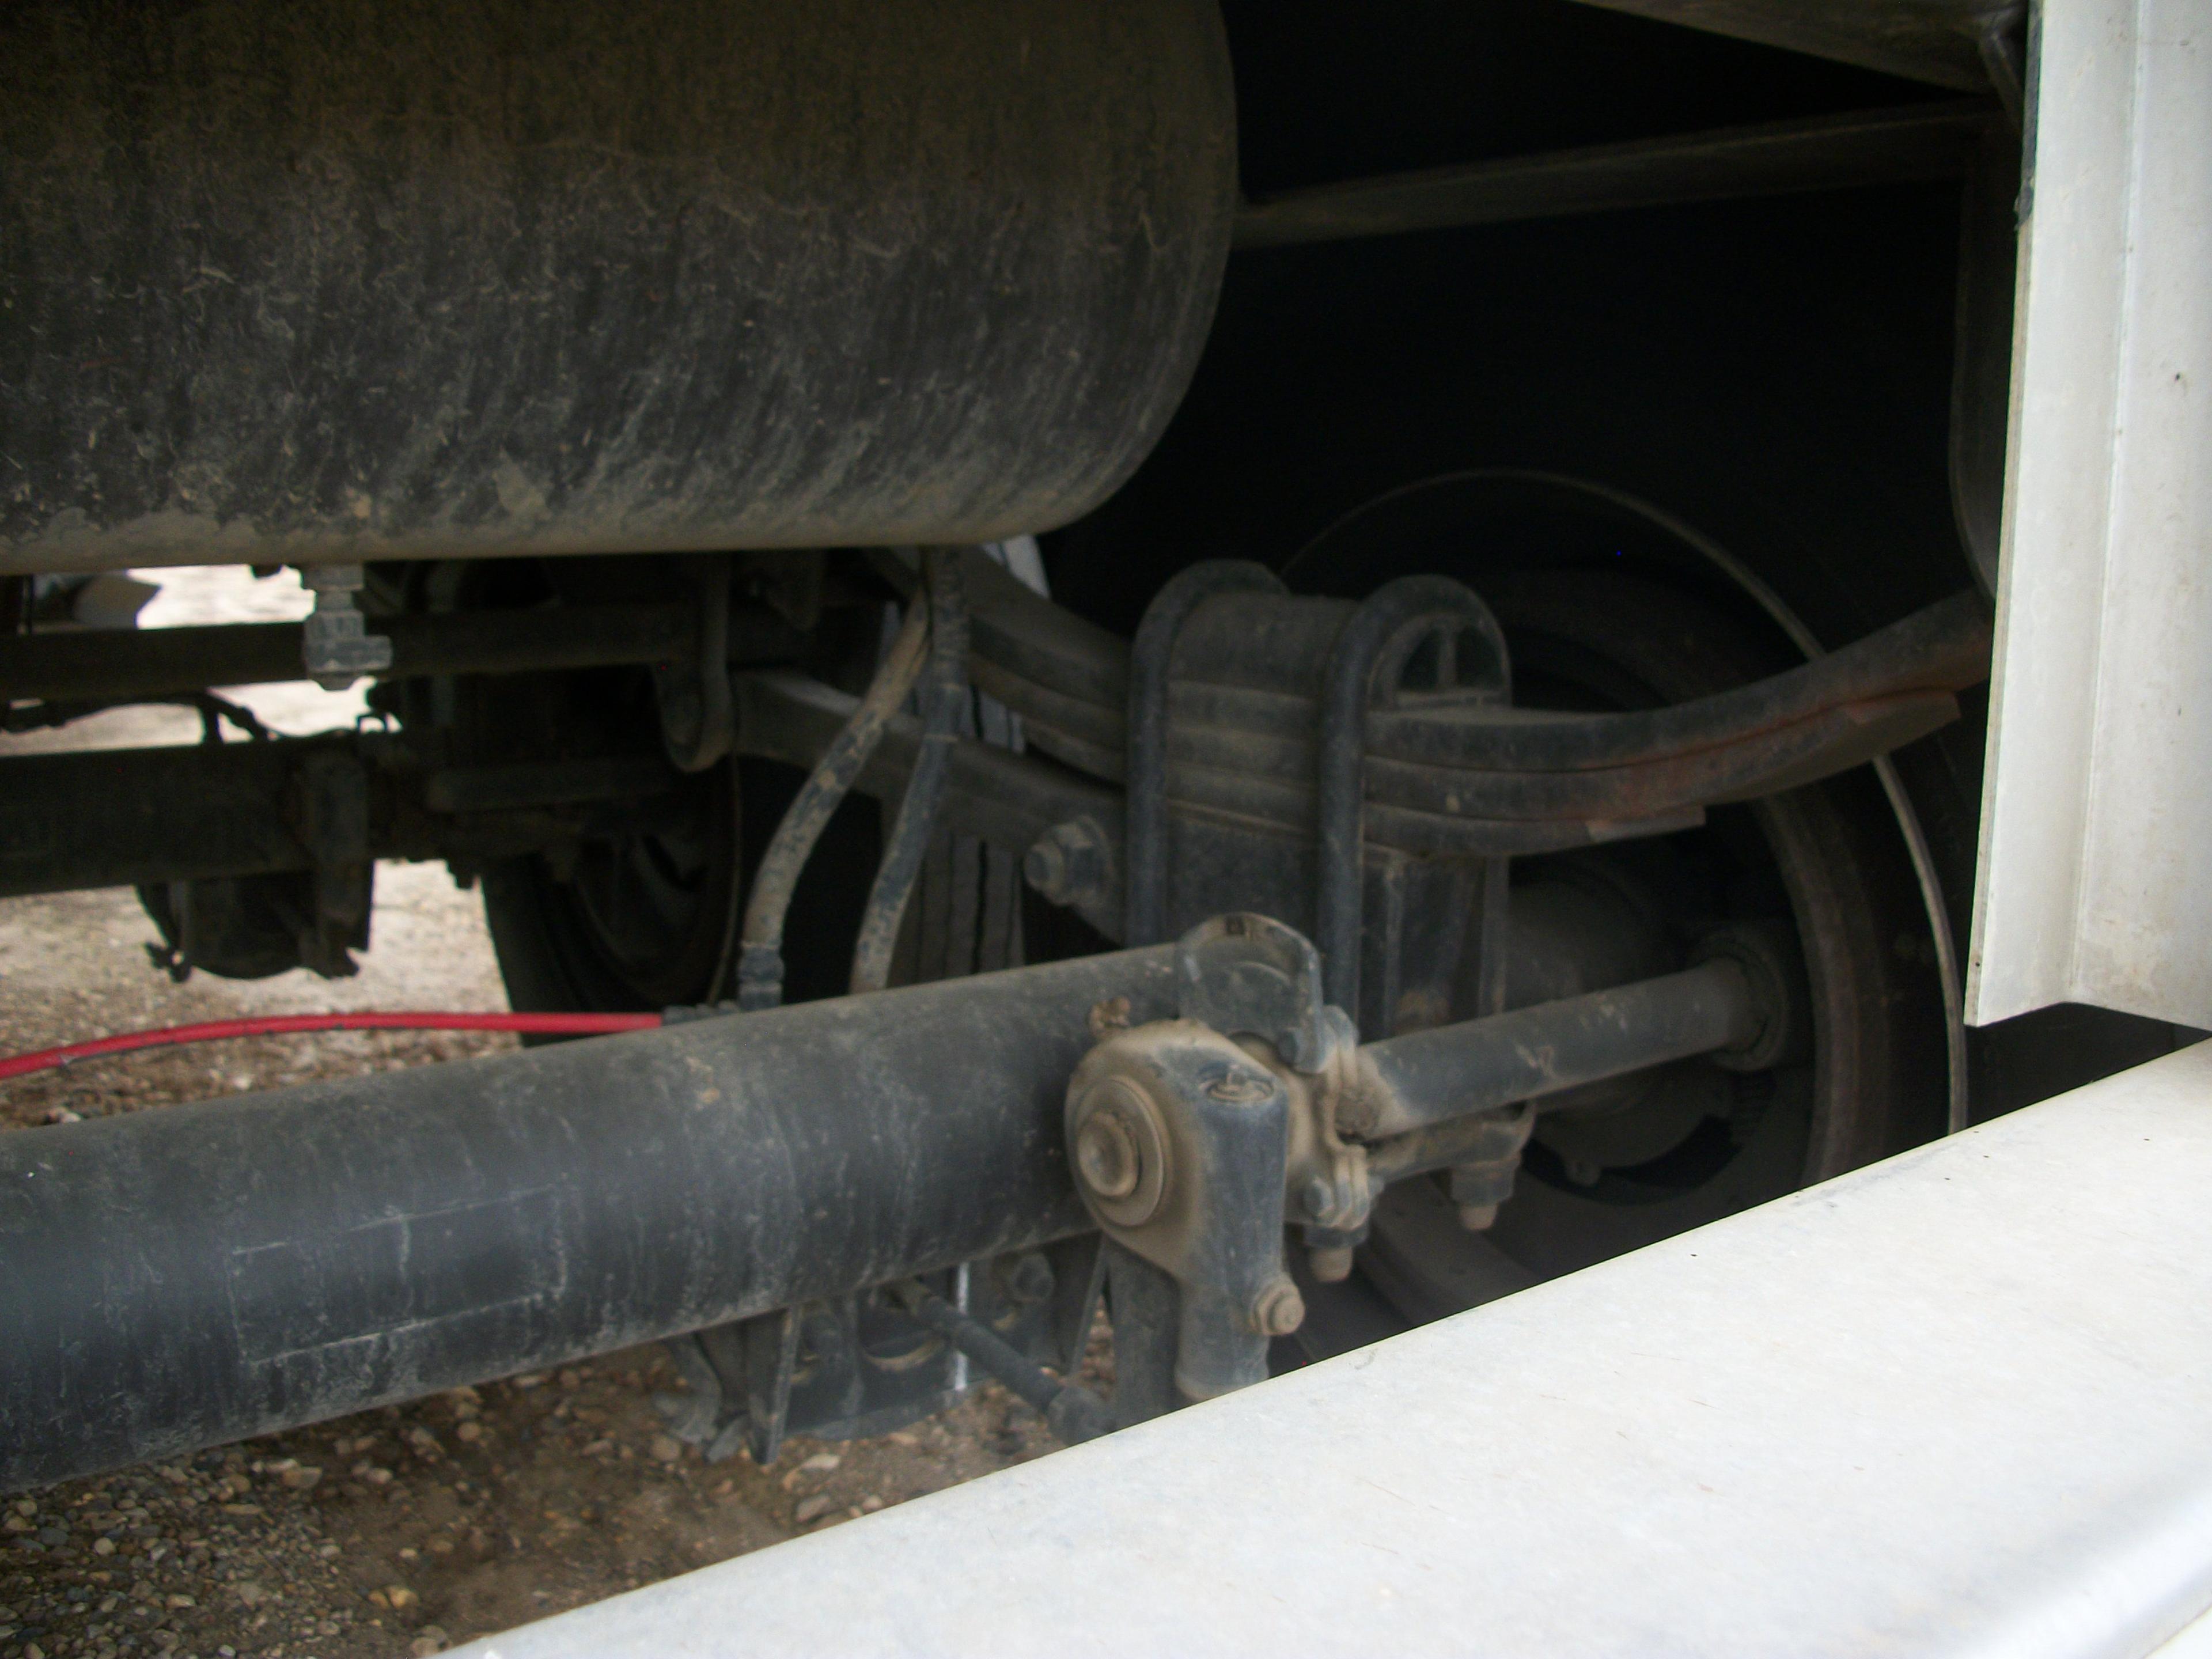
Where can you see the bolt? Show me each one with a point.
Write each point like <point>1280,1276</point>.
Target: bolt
<point>1477,1190</point>
<point>1027,1279</point>
<point>1069,864</point>
<point>1278,1309</point>
<point>1044,866</point>
<point>1106,1156</point>
<point>1331,1264</point>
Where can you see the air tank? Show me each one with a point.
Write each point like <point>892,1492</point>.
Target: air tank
<point>363,279</point>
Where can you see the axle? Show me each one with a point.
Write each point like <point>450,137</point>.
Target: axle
<point>1432,1077</point>
<point>301,1254</point>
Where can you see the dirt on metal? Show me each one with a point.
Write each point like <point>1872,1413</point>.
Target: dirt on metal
<point>402,1530</point>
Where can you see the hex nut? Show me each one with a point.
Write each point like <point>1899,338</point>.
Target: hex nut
<point>1070,864</point>
<point>1772,964</point>
<point>1044,866</point>
<point>1480,1184</point>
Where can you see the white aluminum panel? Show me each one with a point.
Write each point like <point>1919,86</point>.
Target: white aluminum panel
<point>2096,863</point>
<point>2193,1643</point>
<point>1953,1404</point>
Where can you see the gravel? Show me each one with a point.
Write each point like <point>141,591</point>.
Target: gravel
<point>389,1532</point>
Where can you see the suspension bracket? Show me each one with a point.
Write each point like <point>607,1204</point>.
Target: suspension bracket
<point>1195,1140</point>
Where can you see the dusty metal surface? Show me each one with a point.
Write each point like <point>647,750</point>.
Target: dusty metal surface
<point>299,1254</point>
<point>489,1506</point>
<point>359,280</point>
<point>1069,682</point>
<point>1195,1141</point>
<point>390,1236</point>
<point>1008,798</point>
<point>760,963</point>
<point>1432,1077</point>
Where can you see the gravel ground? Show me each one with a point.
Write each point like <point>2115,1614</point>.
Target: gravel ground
<point>404,1530</point>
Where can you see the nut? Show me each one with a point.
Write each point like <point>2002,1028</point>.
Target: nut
<point>1044,866</point>
<point>1107,1156</point>
<point>1119,1151</point>
<point>1026,1279</point>
<point>1278,1309</point>
<point>1768,956</point>
<point>1070,864</point>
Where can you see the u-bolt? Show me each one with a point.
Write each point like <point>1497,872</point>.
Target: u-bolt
<point>1390,613</point>
<point>1146,822</point>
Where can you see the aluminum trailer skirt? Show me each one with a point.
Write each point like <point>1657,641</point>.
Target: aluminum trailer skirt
<point>1954,1403</point>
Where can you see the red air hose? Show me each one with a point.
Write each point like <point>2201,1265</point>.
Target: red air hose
<point>163,1037</point>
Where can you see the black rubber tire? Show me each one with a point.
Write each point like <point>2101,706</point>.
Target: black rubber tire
<point>556,954</point>
<point>554,947</point>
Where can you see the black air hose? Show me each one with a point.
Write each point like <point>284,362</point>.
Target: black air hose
<point>760,960</point>
<point>944,693</point>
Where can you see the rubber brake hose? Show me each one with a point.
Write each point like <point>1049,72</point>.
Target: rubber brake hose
<point>945,698</point>
<point>760,958</point>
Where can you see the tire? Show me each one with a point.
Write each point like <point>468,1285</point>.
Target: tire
<point>637,920</point>
<point>641,922</point>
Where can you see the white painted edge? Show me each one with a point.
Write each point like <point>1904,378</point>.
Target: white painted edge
<point>1953,1404</point>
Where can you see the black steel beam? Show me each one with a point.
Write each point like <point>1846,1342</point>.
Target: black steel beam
<point>120,817</point>
<point>155,662</point>
<point>177,1278</point>
<point>1834,152</point>
<point>111,818</point>
<point>1438,780</point>
<point>1937,41</point>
